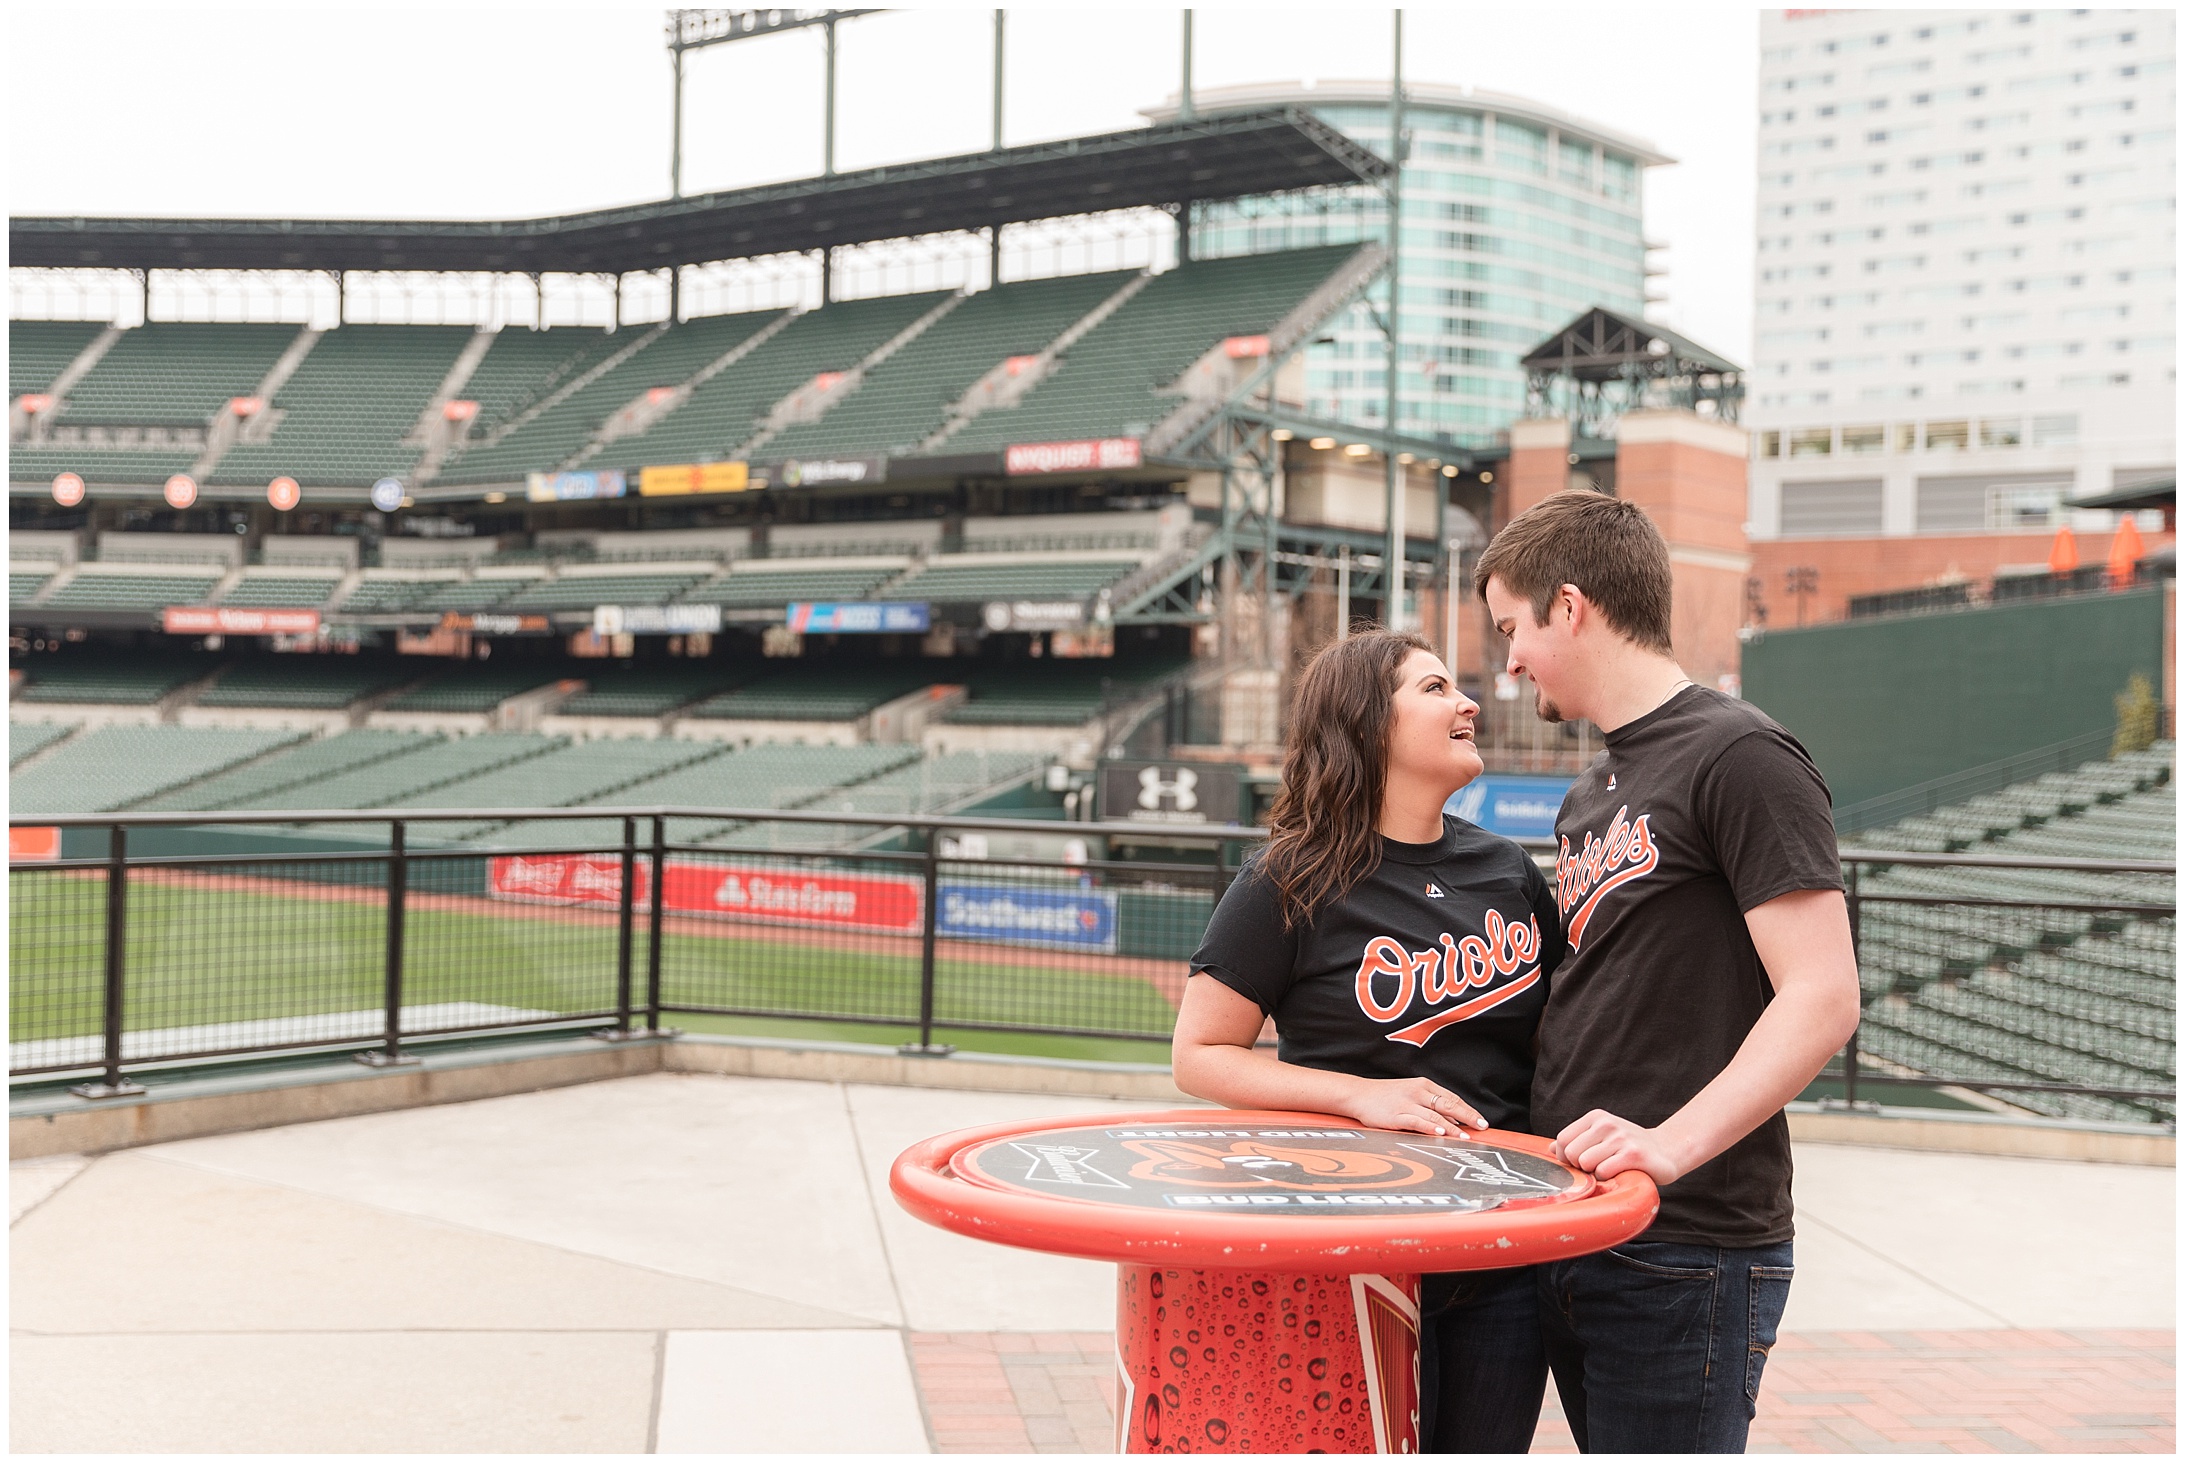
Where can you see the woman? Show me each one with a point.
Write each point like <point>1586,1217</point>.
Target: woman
<point>1361,861</point>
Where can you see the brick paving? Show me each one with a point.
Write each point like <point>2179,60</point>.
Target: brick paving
<point>1825,1392</point>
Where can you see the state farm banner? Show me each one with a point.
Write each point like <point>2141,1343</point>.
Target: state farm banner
<point>1105,452</point>
<point>179,620</point>
<point>889,904</point>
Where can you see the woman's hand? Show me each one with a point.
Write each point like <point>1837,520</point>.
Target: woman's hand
<point>1411,1104</point>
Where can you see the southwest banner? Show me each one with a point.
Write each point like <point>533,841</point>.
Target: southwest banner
<point>726,889</point>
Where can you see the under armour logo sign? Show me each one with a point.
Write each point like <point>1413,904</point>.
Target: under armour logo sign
<point>1181,791</point>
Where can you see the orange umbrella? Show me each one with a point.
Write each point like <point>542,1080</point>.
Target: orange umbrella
<point>2125,550</point>
<point>2063,555</point>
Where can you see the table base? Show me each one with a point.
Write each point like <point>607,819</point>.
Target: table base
<point>1248,1361</point>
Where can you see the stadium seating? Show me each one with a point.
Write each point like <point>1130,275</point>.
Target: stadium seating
<point>403,776</point>
<point>116,766</point>
<point>39,350</point>
<point>281,589</point>
<point>583,589</point>
<point>384,592</point>
<point>816,693</point>
<point>115,587</point>
<point>348,406</point>
<point>772,583</point>
<point>724,412</point>
<point>1050,692</point>
<point>523,367</point>
<point>159,374</point>
<point>904,400</point>
<point>109,680</point>
<point>473,688</point>
<point>647,690</point>
<point>485,590</point>
<point>563,775</point>
<point>557,434</point>
<point>302,766</point>
<point>958,578</point>
<point>27,739</point>
<point>935,784</point>
<point>2030,994</point>
<point>24,582</point>
<point>303,682</point>
<point>1109,383</point>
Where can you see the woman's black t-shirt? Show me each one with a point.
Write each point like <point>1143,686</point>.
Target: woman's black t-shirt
<point>1436,965</point>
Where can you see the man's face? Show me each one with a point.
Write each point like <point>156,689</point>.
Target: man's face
<point>1539,650</point>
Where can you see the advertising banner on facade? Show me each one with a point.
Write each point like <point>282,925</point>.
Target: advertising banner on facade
<point>888,904</point>
<point>1515,807</point>
<point>1018,914</point>
<point>1033,614</point>
<point>1090,456</point>
<point>485,623</point>
<point>1170,792</point>
<point>186,620</point>
<point>883,618</point>
<point>656,619</point>
<point>694,478</point>
<point>570,487</point>
<point>819,472</point>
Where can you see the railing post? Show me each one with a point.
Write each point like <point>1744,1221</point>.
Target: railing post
<point>1851,1044</point>
<point>112,1083</point>
<point>657,902</point>
<point>923,1046</point>
<point>398,889</point>
<point>625,934</point>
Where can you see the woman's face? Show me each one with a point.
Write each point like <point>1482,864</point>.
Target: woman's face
<point>1430,727</point>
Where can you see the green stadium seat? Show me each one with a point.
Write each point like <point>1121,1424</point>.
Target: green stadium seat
<point>26,739</point>
<point>347,407</point>
<point>473,688</point>
<point>303,682</point>
<point>115,767</point>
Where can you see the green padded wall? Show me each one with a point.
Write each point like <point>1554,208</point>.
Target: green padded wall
<point>1885,703</point>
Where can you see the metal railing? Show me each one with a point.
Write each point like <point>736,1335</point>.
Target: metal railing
<point>159,940</point>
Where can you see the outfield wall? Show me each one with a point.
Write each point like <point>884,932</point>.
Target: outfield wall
<point>1885,703</point>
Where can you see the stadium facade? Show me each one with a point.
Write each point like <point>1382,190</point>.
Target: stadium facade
<point>1518,217</point>
<point>1964,288</point>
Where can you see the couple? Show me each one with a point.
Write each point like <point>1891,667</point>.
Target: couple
<point>1687,973</point>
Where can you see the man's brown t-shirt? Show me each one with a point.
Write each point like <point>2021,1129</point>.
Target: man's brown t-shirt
<point>1695,813</point>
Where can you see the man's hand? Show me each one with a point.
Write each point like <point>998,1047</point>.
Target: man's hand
<point>1606,1145</point>
<point>1411,1104</point>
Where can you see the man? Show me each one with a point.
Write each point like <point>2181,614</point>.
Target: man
<point>1710,977</point>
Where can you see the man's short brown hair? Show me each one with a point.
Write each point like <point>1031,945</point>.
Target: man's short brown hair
<point>1607,547</point>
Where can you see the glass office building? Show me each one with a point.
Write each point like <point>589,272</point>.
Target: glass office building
<point>1517,217</point>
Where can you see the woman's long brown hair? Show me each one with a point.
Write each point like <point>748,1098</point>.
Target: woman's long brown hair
<point>1324,837</point>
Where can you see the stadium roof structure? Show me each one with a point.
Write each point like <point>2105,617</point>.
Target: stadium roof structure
<point>1167,164</point>
<point>1603,364</point>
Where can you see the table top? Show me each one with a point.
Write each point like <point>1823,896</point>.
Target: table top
<point>1267,1190</point>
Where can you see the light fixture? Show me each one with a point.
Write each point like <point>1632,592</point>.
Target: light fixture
<point>1357,449</point>
<point>1406,458</point>
<point>1486,477</point>
<point>1321,444</point>
<point>1280,434</point>
<point>496,497</point>
<point>1449,470</point>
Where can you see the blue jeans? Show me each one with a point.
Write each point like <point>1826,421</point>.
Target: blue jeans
<point>1482,1372</point>
<point>1658,1348</point>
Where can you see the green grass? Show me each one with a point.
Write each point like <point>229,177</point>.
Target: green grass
<point>1007,1043</point>
<point>197,956</point>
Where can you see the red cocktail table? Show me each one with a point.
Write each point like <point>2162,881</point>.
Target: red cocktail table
<point>1268,1296</point>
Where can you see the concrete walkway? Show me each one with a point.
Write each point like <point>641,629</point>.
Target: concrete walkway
<point>712,1264</point>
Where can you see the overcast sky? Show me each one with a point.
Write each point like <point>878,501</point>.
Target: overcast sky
<point>477,111</point>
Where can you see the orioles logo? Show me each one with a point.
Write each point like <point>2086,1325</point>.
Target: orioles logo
<point>1453,967</point>
<point>1251,1164</point>
<point>1608,861</point>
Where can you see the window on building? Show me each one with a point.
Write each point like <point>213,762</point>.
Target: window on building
<point>1863,439</point>
<point>2056,431</point>
<point>1809,442</point>
<point>1904,436</point>
<point>2001,432</point>
<point>1520,146</point>
<point>1840,507</point>
<point>1769,444</point>
<point>1946,436</point>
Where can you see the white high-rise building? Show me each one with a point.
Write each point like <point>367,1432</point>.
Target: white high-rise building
<point>1964,284</point>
